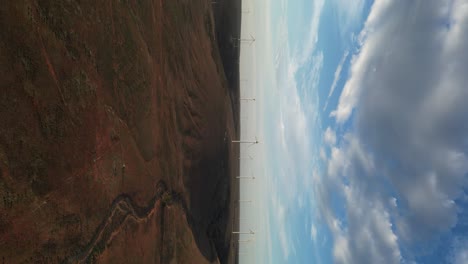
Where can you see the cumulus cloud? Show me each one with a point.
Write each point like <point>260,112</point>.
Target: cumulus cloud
<point>366,235</point>
<point>370,237</point>
<point>402,167</point>
<point>323,155</point>
<point>459,253</point>
<point>461,257</point>
<point>329,137</point>
<point>337,162</point>
<point>413,112</point>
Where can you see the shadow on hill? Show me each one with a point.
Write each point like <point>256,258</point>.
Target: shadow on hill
<point>228,26</point>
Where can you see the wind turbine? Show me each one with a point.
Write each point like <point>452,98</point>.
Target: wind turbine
<point>247,99</point>
<point>250,40</point>
<point>250,232</point>
<point>246,141</point>
<point>236,41</point>
<point>244,240</point>
<point>249,157</point>
<point>245,177</point>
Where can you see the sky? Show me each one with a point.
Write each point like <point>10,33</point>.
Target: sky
<point>363,130</point>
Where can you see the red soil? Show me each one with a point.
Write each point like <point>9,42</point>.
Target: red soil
<point>104,98</point>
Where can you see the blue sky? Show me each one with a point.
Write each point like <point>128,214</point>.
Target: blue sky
<point>364,127</point>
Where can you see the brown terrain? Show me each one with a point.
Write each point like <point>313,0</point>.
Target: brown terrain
<point>115,124</point>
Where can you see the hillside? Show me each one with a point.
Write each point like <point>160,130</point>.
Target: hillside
<point>102,103</point>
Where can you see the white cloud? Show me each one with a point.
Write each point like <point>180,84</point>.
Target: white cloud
<point>406,95</point>
<point>412,108</point>
<point>370,233</point>
<point>459,253</point>
<point>323,155</point>
<point>329,136</point>
<point>349,13</point>
<point>313,233</point>
<point>281,227</point>
<point>367,236</point>
<point>310,84</point>
<point>284,240</point>
<point>461,257</point>
<point>364,62</point>
<point>336,78</point>
<point>292,113</point>
<point>341,251</point>
<point>312,37</point>
<point>337,162</point>
<point>287,115</point>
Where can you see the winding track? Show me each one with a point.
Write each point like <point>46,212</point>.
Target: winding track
<point>123,207</point>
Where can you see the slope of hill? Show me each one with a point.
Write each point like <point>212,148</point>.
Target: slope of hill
<point>105,100</point>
